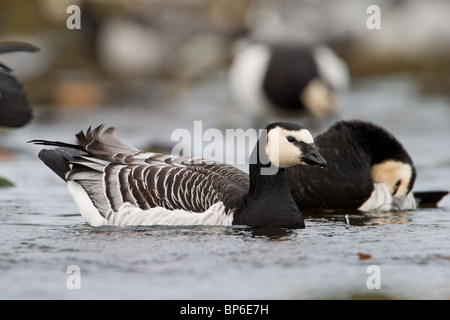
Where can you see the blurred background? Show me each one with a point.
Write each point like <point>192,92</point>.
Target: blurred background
<point>139,52</point>
<point>151,66</point>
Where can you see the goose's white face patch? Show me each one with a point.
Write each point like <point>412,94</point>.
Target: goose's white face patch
<point>395,175</point>
<point>283,153</point>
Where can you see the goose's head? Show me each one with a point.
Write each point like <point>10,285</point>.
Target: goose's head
<point>289,144</point>
<point>397,175</point>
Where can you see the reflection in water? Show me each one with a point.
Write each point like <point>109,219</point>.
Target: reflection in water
<point>348,218</point>
<point>268,233</point>
<point>276,234</point>
<point>356,218</point>
<point>384,218</point>
<point>193,232</point>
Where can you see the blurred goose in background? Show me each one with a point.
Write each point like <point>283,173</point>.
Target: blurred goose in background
<point>283,81</point>
<point>14,108</point>
<point>128,48</point>
<point>368,170</point>
<point>116,184</point>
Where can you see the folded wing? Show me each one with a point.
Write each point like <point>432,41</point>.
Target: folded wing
<point>112,173</point>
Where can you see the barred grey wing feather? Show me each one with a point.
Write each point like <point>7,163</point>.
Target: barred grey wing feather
<point>113,172</point>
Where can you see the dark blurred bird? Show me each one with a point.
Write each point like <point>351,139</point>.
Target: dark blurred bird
<point>284,81</point>
<point>14,108</point>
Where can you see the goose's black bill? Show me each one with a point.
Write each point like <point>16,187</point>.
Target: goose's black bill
<point>313,157</point>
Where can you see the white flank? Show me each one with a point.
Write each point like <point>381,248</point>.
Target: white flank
<point>85,206</point>
<point>246,76</point>
<point>382,200</point>
<point>129,215</point>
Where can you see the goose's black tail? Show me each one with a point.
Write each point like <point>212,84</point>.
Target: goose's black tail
<point>429,198</point>
<point>58,159</point>
<point>94,142</point>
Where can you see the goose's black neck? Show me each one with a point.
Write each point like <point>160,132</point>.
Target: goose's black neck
<point>268,202</point>
<point>266,179</point>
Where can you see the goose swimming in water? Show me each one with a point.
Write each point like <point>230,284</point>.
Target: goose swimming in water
<point>368,170</point>
<point>114,183</point>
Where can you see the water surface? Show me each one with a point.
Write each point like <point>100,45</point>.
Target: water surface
<point>42,234</point>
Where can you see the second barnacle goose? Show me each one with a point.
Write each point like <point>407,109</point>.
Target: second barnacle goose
<point>114,183</point>
<point>368,170</point>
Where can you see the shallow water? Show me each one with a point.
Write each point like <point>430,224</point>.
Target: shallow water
<point>42,234</point>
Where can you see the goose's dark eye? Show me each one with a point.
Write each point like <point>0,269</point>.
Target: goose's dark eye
<point>397,185</point>
<point>290,138</point>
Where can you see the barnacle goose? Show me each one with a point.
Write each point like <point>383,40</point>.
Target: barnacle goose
<point>14,108</point>
<point>114,183</point>
<point>280,81</point>
<point>368,170</point>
